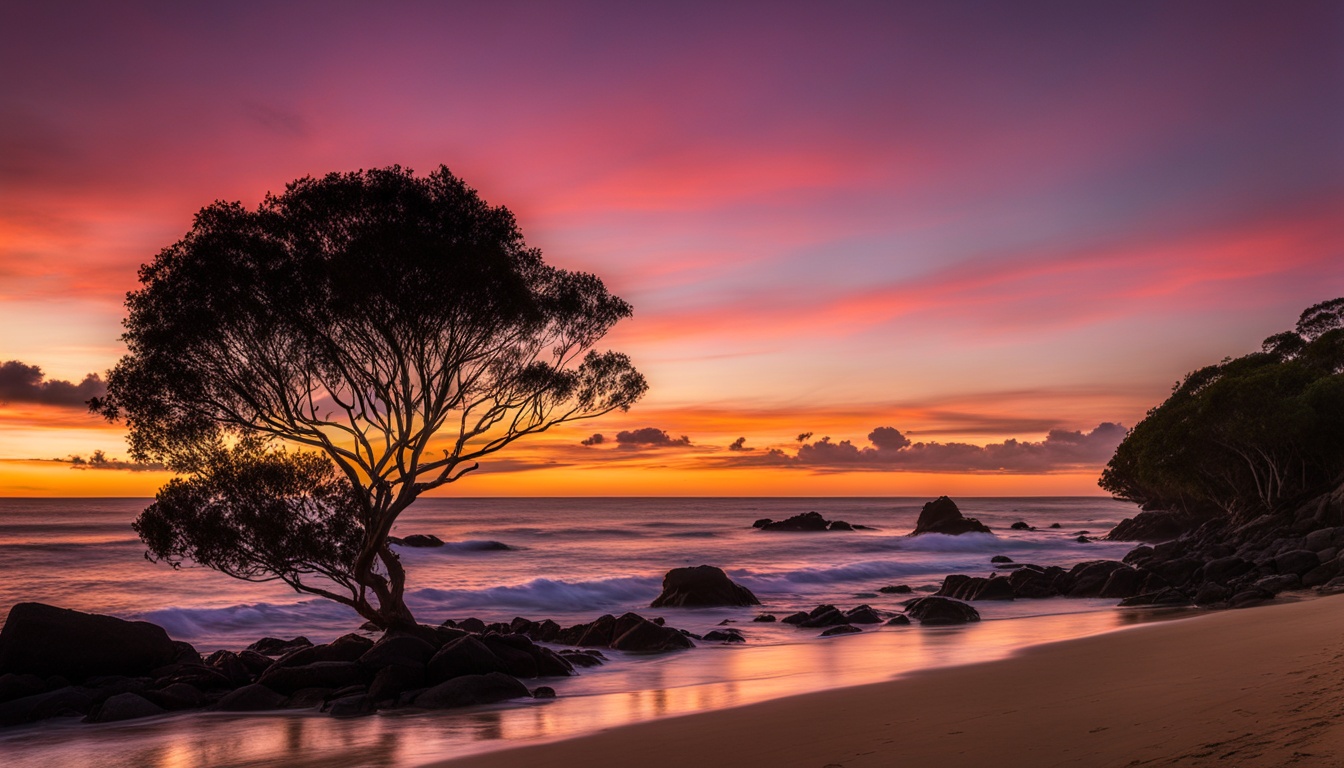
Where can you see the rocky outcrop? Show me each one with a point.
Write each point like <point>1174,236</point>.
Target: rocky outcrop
<point>940,611</point>
<point>942,516</point>
<point>805,522</point>
<point>701,586</point>
<point>44,640</point>
<point>1153,526</point>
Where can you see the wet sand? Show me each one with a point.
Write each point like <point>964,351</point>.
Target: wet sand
<point>1255,687</point>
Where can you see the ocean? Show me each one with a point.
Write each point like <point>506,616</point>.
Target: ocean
<point>571,560</point>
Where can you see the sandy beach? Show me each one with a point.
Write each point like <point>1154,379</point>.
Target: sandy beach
<point>1257,687</point>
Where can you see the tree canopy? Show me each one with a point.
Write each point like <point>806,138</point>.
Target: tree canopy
<point>396,327</point>
<point>1246,436</point>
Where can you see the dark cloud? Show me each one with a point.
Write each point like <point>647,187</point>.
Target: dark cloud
<point>740,444</point>
<point>804,437</point>
<point>100,460</point>
<point>889,449</point>
<point>649,437</point>
<point>21,383</point>
<point>596,439</point>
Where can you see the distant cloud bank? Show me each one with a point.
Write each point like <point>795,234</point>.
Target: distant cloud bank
<point>889,449</point>
<point>22,383</point>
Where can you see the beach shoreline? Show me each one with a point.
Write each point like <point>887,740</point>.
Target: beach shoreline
<point>1257,687</point>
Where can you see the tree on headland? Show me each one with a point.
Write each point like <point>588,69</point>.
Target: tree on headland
<point>393,329</point>
<point>1248,436</point>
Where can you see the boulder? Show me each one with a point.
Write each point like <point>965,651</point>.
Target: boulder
<point>472,689</point>
<point>14,686</point>
<point>124,706</point>
<point>1152,526</point>
<point>44,640</point>
<point>1021,526</point>
<point>322,674</point>
<point>274,646</point>
<point>939,611</point>
<point>543,692</point>
<point>896,589</point>
<point>807,521</point>
<point>1164,597</point>
<point>1296,561</point>
<point>724,636</point>
<point>1123,582</point>
<point>942,516</point>
<point>1034,583</point>
<point>1000,559</point>
<point>899,620</point>
<point>358,705</point>
<point>1225,569</point>
<point>176,696</point>
<point>518,660</point>
<point>1091,576</point>
<point>647,637</point>
<point>421,540</point>
<point>823,616</point>
<point>464,656</point>
<point>764,617</point>
<point>583,658</point>
<point>251,698</point>
<point>399,649</point>
<point>862,614</point>
<point>702,586</point>
<point>843,629</point>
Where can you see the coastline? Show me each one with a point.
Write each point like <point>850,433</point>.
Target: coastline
<point>1258,687</point>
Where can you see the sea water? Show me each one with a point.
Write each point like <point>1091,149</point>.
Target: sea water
<point>570,560</point>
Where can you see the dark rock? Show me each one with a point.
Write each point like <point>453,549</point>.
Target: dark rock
<point>274,646</point>
<point>544,631</point>
<point>1055,525</point>
<point>472,689</point>
<point>1180,570</point>
<point>1278,583</point>
<point>124,706</point>
<point>862,614</point>
<point>647,637</point>
<point>765,617</point>
<point>840,525</point>
<point>421,540</point>
<point>472,624</point>
<point>1000,559</point>
<point>1137,555</point>
<point>358,705</point>
<point>323,674</point>
<point>1225,569</point>
<point>1297,561</point>
<point>66,701</point>
<point>942,516</point>
<point>1164,597</point>
<point>899,620</point>
<point>843,629</point>
<point>807,521</point>
<point>1123,582</point>
<point>209,678</point>
<point>938,611</point>
<point>464,656</point>
<point>405,650</point>
<point>309,698</point>
<point>724,636</point>
<point>395,679</point>
<point>251,698</point>
<point>1321,574</point>
<point>994,588</point>
<point>1021,526</point>
<point>583,658</point>
<point>1153,525</point>
<point>1211,593</point>
<point>762,522</point>
<point>255,663</point>
<point>1090,577</point>
<point>176,696</point>
<point>1334,586</point>
<point>543,692</point>
<point>897,589</point>
<point>1033,583</point>
<point>702,586</point>
<point>962,587</point>
<point>44,640</point>
<point>796,618</point>
<point>1082,540</point>
<point>518,661</point>
<point>550,663</point>
<point>1249,597</point>
<point>824,616</point>
<point>13,686</point>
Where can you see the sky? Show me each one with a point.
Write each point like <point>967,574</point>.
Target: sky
<point>960,246</point>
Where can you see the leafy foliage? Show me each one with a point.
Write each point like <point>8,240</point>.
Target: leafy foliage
<point>396,324</point>
<point>1246,436</point>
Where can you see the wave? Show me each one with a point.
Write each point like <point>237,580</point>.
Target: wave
<point>543,595</point>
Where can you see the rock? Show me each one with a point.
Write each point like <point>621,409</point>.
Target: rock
<point>274,646</point>
<point>124,706</point>
<point>862,614</point>
<point>702,586</point>
<point>395,679</point>
<point>761,523</point>
<point>322,674</point>
<point>251,698</point>
<point>962,587</point>
<point>1249,597</point>
<point>939,611</point>
<point>1321,574</point>
<point>1153,526</point>
<point>1021,526</point>
<point>942,516</point>
<point>472,689</point>
<point>1032,582</point>
<point>724,636</point>
<point>1091,576</point>
<point>1225,569</point>
<point>13,686</point>
<point>1297,561</point>
<point>1334,586</point>
<point>358,705</point>
<point>518,661</point>
<point>543,692</point>
<point>765,617</point>
<point>421,540</point>
<point>994,588</point>
<point>1123,582</point>
<point>44,640</point>
<point>843,629</point>
<point>583,658</point>
<point>1000,559</point>
<point>176,696</point>
<point>1082,540</point>
<point>1055,525</point>
<point>796,618</point>
<point>807,521</point>
<point>1278,583</point>
<point>823,616</point>
<point>647,637</point>
<point>840,525</point>
<point>465,656</point>
<point>405,650</point>
<point>897,589</point>
<point>472,624</point>
<point>899,620</point>
<point>60,702</point>
<point>1164,597</point>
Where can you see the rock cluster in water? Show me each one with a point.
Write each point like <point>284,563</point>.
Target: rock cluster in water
<point>942,516</point>
<point>807,522</point>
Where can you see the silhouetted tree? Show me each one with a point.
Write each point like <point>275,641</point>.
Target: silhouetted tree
<point>1247,436</point>
<point>395,326</point>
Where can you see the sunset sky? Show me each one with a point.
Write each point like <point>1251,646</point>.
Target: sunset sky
<point>963,241</point>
